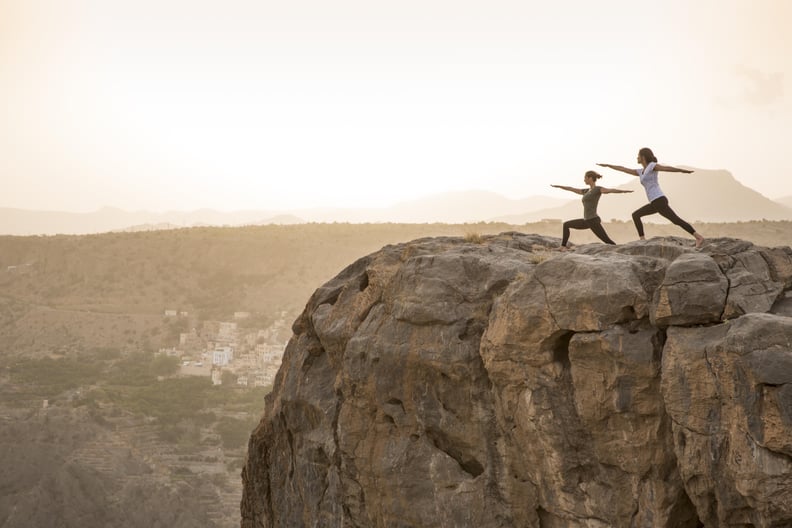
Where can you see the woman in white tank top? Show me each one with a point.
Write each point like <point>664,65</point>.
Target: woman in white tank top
<point>658,203</point>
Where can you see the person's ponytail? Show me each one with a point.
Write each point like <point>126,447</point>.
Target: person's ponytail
<point>595,175</point>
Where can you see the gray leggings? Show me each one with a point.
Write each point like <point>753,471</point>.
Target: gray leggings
<point>659,205</point>
<point>595,224</point>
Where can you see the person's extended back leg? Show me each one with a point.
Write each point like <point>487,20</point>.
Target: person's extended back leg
<point>666,212</point>
<point>577,223</point>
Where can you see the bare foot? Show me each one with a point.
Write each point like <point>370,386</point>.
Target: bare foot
<point>699,240</point>
<point>563,248</point>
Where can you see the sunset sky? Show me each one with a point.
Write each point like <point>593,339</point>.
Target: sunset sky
<point>243,104</point>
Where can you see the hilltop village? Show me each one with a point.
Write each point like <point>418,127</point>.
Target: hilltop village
<point>228,352</point>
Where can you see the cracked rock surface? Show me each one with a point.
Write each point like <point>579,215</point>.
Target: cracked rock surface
<point>447,383</point>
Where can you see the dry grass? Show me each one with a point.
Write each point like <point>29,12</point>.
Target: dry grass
<point>408,252</point>
<point>538,257</point>
<point>473,237</point>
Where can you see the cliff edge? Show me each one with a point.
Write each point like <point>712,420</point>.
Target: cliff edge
<point>496,383</point>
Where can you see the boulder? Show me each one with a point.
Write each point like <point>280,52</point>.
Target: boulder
<point>693,292</point>
<point>753,285</point>
<point>499,383</point>
<point>727,391</point>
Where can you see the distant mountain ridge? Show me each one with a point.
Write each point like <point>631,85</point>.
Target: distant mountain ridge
<point>706,195</point>
<point>703,196</point>
<point>785,200</point>
<point>452,207</point>
<point>455,207</point>
<point>24,222</point>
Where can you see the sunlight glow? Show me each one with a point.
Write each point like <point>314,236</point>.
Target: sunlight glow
<point>182,105</point>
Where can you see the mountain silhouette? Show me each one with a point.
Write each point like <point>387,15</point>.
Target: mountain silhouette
<point>785,200</point>
<point>451,207</point>
<point>703,196</point>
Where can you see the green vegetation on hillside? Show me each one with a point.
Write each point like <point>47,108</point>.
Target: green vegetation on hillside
<point>234,432</point>
<point>179,407</point>
<point>210,271</point>
<point>46,377</point>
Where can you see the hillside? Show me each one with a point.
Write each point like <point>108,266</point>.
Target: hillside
<point>82,316</point>
<point>61,464</point>
<point>785,201</point>
<point>112,289</point>
<point>88,439</point>
<point>703,196</point>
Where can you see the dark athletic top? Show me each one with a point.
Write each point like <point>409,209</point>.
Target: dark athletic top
<point>590,200</point>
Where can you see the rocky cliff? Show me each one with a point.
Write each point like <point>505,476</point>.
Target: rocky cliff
<point>497,383</point>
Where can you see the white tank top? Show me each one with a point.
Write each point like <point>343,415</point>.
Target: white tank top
<point>648,177</point>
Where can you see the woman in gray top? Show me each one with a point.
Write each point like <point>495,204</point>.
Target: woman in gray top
<point>590,200</point>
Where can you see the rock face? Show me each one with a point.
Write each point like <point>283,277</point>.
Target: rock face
<point>445,383</point>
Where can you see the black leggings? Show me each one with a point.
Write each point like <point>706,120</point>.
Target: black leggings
<point>595,224</point>
<point>659,205</point>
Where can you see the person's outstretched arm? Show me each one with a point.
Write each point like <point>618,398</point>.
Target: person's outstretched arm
<point>605,190</point>
<point>571,189</point>
<point>631,172</point>
<point>669,168</point>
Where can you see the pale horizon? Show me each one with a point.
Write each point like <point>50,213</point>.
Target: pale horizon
<point>275,211</point>
<point>242,105</point>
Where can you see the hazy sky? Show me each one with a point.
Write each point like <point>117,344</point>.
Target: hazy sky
<point>181,104</point>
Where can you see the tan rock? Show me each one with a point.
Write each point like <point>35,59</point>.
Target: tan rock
<point>499,384</point>
<point>693,291</point>
<point>753,286</point>
<point>725,389</point>
<point>780,262</point>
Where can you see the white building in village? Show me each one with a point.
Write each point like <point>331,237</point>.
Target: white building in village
<point>269,353</point>
<point>227,333</point>
<point>170,352</point>
<point>265,378</point>
<point>222,356</point>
